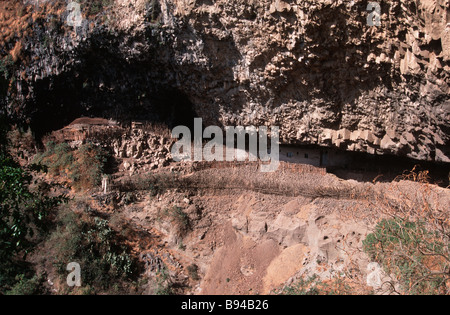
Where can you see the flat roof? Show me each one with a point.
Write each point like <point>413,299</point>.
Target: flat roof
<point>92,121</point>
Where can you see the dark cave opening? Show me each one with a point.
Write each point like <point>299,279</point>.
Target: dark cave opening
<point>104,85</point>
<point>387,168</point>
<point>173,108</point>
<point>56,103</point>
<point>364,167</point>
<point>59,101</point>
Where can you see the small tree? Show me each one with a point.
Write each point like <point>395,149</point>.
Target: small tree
<point>23,213</point>
<point>412,242</point>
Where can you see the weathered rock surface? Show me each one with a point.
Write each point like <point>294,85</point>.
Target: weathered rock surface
<point>315,68</point>
<point>142,151</point>
<point>137,149</point>
<point>247,242</point>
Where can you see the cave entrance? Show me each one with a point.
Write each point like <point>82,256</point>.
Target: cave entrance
<point>56,104</point>
<point>173,108</point>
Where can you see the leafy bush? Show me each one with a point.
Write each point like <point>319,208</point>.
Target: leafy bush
<point>83,167</point>
<point>416,256</point>
<point>412,243</point>
<point>95,246</point>
<point>24,215</point>
<point>87,170</point>
<point>26,286</point>
<point>58,158</point>
<point>22,211</point>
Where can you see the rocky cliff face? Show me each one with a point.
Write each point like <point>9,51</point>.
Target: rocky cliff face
<point>317,69</point>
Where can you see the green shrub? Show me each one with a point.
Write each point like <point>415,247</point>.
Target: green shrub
<point>178,218</point>
<point>87,170</point>
<point>164,284</point>
<point>83,167</point>
<point>302,287</point>
<point>24,218</point>
<point>314,286</point>
<point>94,7</point>
<point>26,286</point>
<point>57,158</point>
<point>91,242</point>
<point>417,257</point>
<point>23,212</point>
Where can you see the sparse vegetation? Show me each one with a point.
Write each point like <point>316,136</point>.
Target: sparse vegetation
<point>193,272</point>
<point>417,257</point>
<point>6,72</point>
<point>314,286</point>
<point>5,67</point>
<point>177,217</point>
<point>24,217</point>
<point>91,242</point>
<point>154,184</point>
<point>91,8</point>
<point>26,286</point>
<point>164,284</point>
<point>412,243</point>
<point>21,141</point>
<point>82,167</point>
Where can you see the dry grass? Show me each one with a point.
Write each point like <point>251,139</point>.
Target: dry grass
<point>159,129</point>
